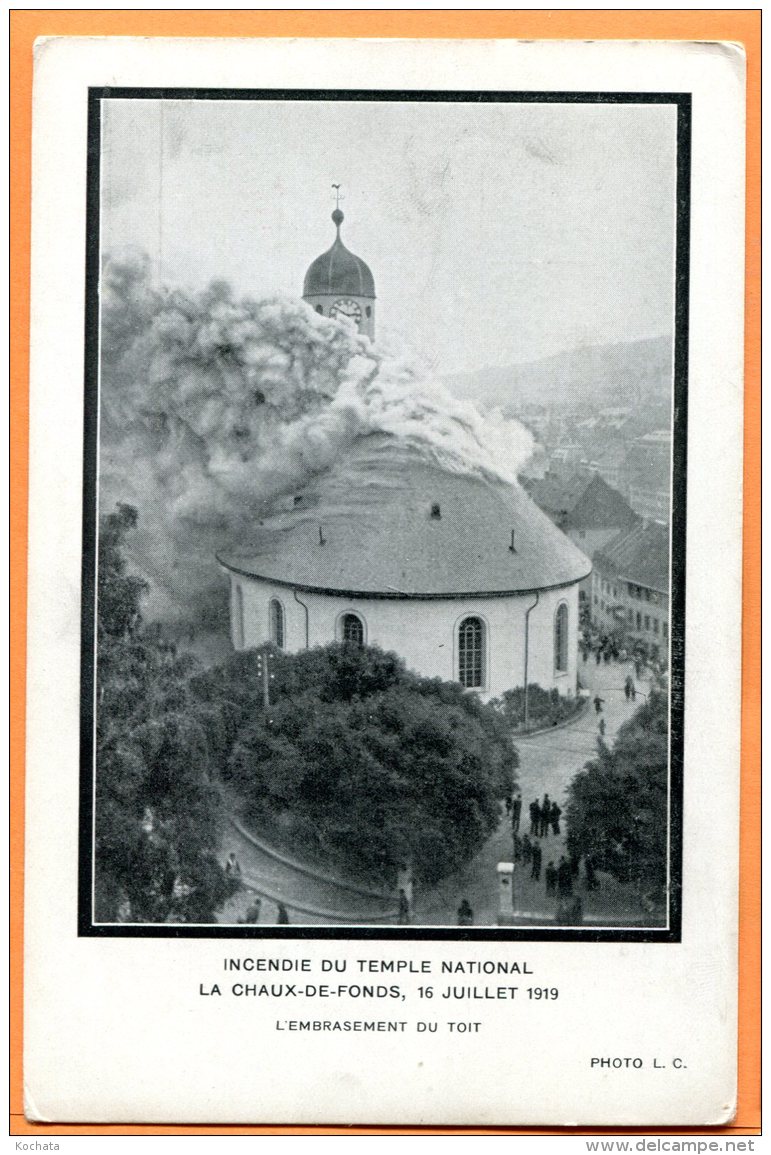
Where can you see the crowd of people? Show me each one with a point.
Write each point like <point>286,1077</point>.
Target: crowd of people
<point>561,876</point>
<point>611,647</point>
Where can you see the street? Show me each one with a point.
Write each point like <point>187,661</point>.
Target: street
<point>548,762</point>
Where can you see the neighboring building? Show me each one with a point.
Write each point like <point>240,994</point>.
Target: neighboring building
<point>615,417</point>
<point>566,457</point>
<point>630,585</point>
<point>465,578</point>
<point>649,471</point>
<point>584,507</point>
<point>611,465</point>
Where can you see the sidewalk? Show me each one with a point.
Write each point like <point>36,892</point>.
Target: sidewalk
<point>548,762</point>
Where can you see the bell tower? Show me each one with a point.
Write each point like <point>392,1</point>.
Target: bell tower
<point>339,284</point>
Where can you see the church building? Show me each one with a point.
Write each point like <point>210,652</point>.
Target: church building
<point>462,576</point>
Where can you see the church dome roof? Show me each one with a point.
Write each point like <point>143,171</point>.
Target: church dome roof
<point>339,272</point>
<point>387,523</point>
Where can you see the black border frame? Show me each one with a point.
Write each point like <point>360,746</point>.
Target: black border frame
<point>673,932</point>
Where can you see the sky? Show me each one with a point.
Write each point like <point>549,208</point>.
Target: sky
<point>496,233</point>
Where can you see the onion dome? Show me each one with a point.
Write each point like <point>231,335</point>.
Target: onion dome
<point>339,272</point>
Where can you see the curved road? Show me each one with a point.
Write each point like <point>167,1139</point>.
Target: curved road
<point>311,901</point>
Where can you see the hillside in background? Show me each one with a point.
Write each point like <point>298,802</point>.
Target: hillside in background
<point>620,374</point>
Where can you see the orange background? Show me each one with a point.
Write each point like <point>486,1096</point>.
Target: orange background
<point>739,26</point>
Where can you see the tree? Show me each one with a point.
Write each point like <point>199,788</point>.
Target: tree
<point>119,594</point>
<point>156,744</point>
<point>370,764</point>
<point>544,707</point>
<point>617,805</point>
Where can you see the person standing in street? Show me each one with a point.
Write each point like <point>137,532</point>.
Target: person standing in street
<point>516,811</point>
<point>551,879</point>
<point>527,849</point>
<point>536,871</point>
<point>252,914</point>
<point>564,878</point>
<point>465,914</point>
<point>283,915</point>
<point>554,818</point>
<point>598,704</point>
<point>535,817</point>
<point>545,816</point>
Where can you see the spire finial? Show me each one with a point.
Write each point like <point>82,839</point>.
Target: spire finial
<point>337,215</point>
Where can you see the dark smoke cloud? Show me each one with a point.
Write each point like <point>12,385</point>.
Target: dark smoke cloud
<point>213,407</point>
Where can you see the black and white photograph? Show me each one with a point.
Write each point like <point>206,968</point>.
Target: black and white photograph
<point>384,619</point>
<point>385,403</point>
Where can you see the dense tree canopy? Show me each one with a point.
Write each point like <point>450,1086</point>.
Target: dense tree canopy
<point>617,805</point>
<point>374,766</point>
<point>157,746</point>
<point>361,760</point>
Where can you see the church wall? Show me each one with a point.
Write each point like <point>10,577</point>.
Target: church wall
<point>424,633</point>
<point>542,652</point>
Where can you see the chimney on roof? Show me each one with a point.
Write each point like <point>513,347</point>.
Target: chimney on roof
<point>512,547</point>
<point>322,539</point>
<point>436,511</point>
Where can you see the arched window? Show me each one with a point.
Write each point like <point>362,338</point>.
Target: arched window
<point>353,629</point>
<point>471,653</point>
<point>561,638</point>
<point>277,623</point>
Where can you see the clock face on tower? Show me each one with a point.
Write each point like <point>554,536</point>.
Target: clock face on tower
<point>346,308</point>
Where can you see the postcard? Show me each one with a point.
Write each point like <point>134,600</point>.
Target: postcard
<point>385,582</point>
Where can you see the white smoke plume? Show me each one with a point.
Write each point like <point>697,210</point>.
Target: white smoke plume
<point>213,407</point>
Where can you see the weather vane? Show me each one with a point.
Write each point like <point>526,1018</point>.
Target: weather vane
<point>338,195</point>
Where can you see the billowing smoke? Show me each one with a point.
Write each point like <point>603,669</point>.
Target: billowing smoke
<point>214,407</point>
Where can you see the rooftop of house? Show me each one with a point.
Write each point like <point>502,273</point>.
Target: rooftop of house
<point>639,555</point>
<point>581,501</point>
